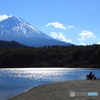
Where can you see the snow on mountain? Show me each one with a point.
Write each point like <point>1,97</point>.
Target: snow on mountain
<point>3,17</point>
<point>15,28</point>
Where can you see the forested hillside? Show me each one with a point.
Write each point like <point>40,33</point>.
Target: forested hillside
<point>11,44</point>
<point>51,56</point>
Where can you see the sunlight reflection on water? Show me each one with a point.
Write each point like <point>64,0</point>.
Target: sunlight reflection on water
<point>49,74</point>
<point>37,73</point>
<point>17,80</point>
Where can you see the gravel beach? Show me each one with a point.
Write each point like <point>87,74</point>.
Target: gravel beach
<point>61,91</point>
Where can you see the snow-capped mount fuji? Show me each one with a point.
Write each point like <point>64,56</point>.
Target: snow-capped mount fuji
<point>15,28</point>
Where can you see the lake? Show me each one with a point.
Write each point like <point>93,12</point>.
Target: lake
<point>17,80</point>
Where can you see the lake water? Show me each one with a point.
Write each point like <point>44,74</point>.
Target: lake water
<point>17,80</point>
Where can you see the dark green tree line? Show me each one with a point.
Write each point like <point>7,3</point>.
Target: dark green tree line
<point>51,56</point>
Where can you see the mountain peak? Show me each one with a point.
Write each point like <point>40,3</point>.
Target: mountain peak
<point>11,25</point>
<point>15,28</point>
<point>4,16</point>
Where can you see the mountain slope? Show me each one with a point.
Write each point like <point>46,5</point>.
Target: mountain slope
<point>15,28</point>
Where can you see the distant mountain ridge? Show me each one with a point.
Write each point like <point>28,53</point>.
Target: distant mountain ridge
<point>10,44</point>
<point>16,29</point>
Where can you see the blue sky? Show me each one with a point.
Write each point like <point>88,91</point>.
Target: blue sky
<point>74,21</point>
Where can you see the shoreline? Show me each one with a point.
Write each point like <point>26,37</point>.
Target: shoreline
<point>50,67</point>
<point>61,91</point>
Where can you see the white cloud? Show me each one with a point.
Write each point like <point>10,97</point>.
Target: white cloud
<point>3,17</point>
<point>69,27</point>
<point>58,25</point>
<point>59,36</point>
<point>98,43</point>
<point>86,34</point>
<point>81,43</point>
